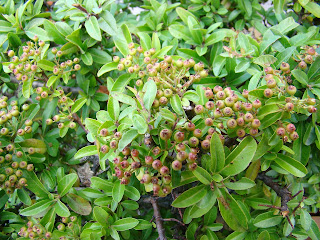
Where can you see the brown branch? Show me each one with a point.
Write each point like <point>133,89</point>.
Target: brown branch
<point>159,221</point>
<point>173,220</point>
<point>78,120</point>
<point>282,192</point>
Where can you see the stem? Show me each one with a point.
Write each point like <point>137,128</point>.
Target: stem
<point>78,120</point>
<point>159,221</point>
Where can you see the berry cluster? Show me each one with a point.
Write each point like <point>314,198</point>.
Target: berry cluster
<point>25,67</point>
<point>12,159</point>
<point>34,231</point>
<point>173,76</point>
<point>177,142</point>
<point>64,118</point>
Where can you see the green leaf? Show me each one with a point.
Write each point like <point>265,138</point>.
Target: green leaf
<point>46,65</point>
<point>61,209</point>
<point>140,123</point>
<point>312,7</point>
<point>102,184</point>
<point>48,220</point>
<point>237,236</point>
<point>100,215</point>
<point>78,204</point>
<point>87,59</point>
<point>305,219</point>
<point>52,80</point>
<point>3,198</point>
<point>239,159</point>
<point>37,31</point>
<point>75,38</point>
<point>121,97</point>
<point>243,184</point>
<point>23,196</point>
<point>132,192</point>
<point>231,212</point>
<point>127,138</point>
<point>265,60</point>
<point>291,165</point>
<point>26,88</point>
<point>215,37</point>
<point>37,208</point>
<point>78,105</point>
<point>121,83</point>
<point>300,76</point>
<point>113,108</point>
<point>108,23</point>
<point>284,56</point>
<point>92,125</point>
<point>86,151</point>
<point>264,235</point>
<point>190,197</point>
<point>202,175</point>
<point>143,224</point>
<point>100,56</point>
<point>286,25</point>
<point>130,204</point>
<point>176,104</point>
<point>121,43</point>
<point>314,232</point>
<point>93,29</point>
<point>118,191</point>
<point>66,183</point>
<point>34,184</point>
<point>150,89</point>
<point>125,224</point>
<point>184,15</point>
<point>279,5</point>
<point>266,220</point>
<point>314,68</point>
<point>107,68</point>
<point>53,32</point>
<point>217,154</point>
<point>145,40</point>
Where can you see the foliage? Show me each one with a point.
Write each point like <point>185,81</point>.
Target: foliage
<point>190,120</point>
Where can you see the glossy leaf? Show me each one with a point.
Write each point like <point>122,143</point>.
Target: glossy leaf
<point>190,197</point>
<point>66,183</point>
<point>239,159</point>
<point>217,154</point>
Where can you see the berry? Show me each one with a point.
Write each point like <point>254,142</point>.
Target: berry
<point>289,106</point>
<point>268,93</point>
<point>176,165</point>
<point>165,134</point>
<point>281,131</point>
<point>179,136</point>
<point>157,164</point>
<point>241,132</point>
<point>189,126</point>
<point>193,141</point>
<point>290,128</point>
<point>255,123</point>
<point>294,136</point>
<point>284,67</point>
<point>199,109</point>
<point>148,160</point>
<point>291,90</point>
<point>164,170</point>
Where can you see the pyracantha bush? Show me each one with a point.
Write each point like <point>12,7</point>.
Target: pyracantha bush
<point>189,120</point>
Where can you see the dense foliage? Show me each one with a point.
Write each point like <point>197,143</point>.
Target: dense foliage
<point>191,119</point>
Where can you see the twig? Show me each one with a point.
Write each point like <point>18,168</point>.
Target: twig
<point>157,216</point>
<point>78,120</point>
<point>282,192</point>
<point>173,220</point>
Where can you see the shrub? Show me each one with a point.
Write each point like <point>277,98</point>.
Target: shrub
<point>189,120</point>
